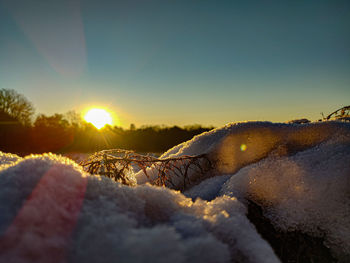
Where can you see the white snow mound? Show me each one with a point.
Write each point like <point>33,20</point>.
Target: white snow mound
<point>308,191</point>
<point>298,173</point>
<point>51,210</point>
<point>238,144</point>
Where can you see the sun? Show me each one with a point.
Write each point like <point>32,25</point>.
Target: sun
<point>98,117</point>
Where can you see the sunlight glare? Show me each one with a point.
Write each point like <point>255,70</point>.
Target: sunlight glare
<point>98,117</point>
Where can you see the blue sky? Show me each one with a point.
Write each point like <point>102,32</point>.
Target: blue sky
<point>179,62</point>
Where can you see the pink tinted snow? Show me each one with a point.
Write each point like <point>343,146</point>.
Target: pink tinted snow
<point>42,228</point>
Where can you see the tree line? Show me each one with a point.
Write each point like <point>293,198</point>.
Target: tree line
<point>22,132</point>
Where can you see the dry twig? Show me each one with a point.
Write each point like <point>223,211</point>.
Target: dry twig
<point>340,114</point>
<point>116,163</point>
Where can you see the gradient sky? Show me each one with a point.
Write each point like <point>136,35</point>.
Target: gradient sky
<point>179,62</point>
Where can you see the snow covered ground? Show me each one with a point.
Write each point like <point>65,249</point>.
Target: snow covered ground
<point>52,211</point>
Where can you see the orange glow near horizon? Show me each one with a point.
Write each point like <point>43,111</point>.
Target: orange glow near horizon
<point>98,117</point>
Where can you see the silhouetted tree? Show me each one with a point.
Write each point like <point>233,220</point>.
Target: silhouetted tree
<point>74,119</point>
<point>51,133</point>
<point>16,106</point>
<point>15,119</point>
<point>62,133</point>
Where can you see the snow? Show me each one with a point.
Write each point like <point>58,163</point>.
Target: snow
<point>239,144</point>
<point>299,174</point>
<point>51,210</point>
<point>8,159</point>
<point>308,191</point>
<point>208,189</point>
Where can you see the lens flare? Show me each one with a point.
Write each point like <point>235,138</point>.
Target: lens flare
<point>98,117</point>
<point>243,147</point>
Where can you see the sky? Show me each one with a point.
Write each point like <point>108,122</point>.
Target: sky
<point>178,62</point>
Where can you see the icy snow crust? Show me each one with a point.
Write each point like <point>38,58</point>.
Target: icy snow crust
<point>299,174</point>
<point>309,191</point>
<point>52,211</point>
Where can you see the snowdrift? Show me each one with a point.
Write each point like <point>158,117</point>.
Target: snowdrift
<point>52,211</point>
